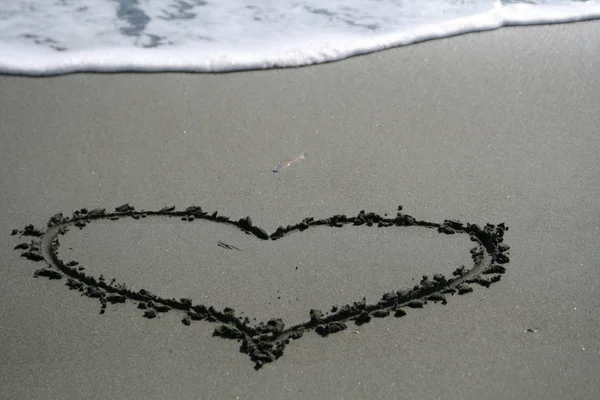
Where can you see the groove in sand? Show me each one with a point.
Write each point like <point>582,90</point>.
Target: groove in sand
<point>265,341</point>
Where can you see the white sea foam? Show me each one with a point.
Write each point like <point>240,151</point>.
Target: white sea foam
<point>44,38</point>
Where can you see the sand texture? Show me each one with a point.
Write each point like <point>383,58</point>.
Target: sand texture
<point>329,289</point>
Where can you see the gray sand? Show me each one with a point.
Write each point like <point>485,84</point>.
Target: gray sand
<point>494,127</point>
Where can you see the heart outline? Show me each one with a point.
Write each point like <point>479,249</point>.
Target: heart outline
<point>265,342</point>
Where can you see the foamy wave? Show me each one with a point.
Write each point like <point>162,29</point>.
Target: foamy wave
<point>199,36</point>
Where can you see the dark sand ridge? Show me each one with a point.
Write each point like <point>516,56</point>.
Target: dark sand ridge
<point>488,127</point>
<point>265,341</point>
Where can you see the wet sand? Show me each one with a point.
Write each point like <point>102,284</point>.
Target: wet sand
<point>491,127</point>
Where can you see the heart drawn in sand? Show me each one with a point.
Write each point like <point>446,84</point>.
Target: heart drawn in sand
<point>265,341</point>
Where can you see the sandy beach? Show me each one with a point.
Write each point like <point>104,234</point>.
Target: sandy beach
<point>493,127</point>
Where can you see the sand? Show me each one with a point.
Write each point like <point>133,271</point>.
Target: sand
<point>490,127</point>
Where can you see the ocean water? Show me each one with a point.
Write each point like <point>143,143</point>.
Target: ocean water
<point>47,37</point>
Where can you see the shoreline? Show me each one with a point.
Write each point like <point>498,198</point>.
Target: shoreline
<point>487,127</point>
